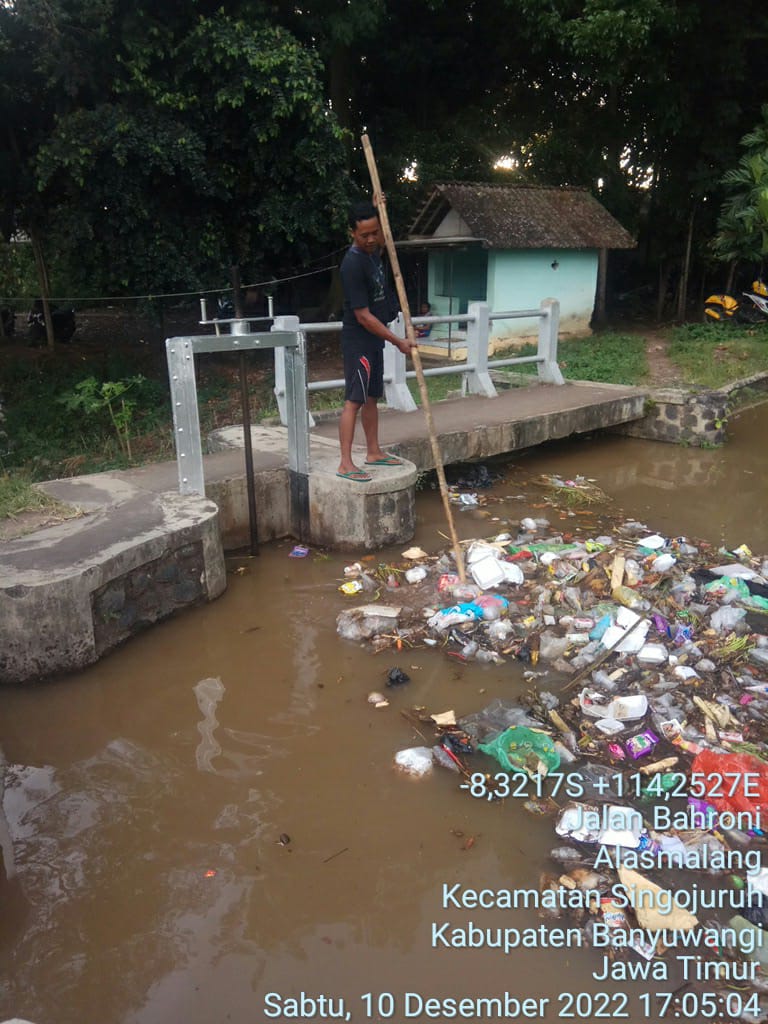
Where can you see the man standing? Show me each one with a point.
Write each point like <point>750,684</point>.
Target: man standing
<point>364,332</point>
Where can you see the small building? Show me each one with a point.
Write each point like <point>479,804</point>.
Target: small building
<point>510,246</point>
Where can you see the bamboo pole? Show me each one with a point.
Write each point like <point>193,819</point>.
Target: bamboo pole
<point>381,205</point>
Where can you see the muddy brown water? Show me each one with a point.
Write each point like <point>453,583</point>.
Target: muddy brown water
<point>146,797</point>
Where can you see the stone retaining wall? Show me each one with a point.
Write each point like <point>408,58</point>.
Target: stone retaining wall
<point>694,416</point>
<point>147,594</point>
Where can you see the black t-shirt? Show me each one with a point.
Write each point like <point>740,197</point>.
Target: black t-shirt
<point>362,277</point>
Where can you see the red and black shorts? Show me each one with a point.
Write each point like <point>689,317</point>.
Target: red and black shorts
<point>363,371</point>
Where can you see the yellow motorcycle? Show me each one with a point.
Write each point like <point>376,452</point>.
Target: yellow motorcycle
<point>725,307</point>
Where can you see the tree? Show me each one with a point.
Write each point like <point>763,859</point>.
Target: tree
<point>191,144</point>
<point>743,222</point>
<point>640,102</point>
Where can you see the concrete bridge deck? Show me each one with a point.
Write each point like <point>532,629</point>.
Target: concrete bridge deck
<point>474,427</point>
<point>71,591</point>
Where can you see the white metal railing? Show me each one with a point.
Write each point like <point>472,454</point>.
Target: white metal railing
<point>473,369</point>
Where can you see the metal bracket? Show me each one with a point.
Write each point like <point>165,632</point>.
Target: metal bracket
<point>181,352</point>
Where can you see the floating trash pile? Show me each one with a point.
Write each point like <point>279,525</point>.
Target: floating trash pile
<point>649,746</point>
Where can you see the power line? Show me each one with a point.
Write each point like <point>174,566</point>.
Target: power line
<point>273,281</point>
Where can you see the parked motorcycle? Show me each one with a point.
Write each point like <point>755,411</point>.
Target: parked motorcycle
<point>753,310</point>
<point>64,324</point>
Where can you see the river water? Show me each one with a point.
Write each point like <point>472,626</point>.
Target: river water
<point>210,814</point>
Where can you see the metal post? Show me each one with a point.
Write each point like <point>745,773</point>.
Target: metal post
<point>298,431</point>
<point>396,392</point>
<point>250,486</point>
<point>186,422</point>
<point>286,323</point>
<point>549,328</point>
<point>478,381</point>
<point>181,373</point>
<point>241,327</point>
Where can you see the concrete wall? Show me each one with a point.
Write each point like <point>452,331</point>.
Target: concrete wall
<point>273,508</point>
<point>88,584</point>
<point>693,416</point>
<point>520,279</point>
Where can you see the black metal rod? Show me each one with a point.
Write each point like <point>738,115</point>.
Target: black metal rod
<point>249,479</point>
<point>237,294</point>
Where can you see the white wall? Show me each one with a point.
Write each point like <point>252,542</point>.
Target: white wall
<point>521,278</point>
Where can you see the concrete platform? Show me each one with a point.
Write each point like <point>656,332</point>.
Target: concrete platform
<point>72,591</point>
<point>474,427</point>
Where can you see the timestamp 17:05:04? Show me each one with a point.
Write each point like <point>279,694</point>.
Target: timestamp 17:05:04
<point>567,1005</point>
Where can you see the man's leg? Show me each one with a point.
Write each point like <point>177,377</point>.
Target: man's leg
<point>369,417</point>
<point>347,422</point>
<point>370,413</point>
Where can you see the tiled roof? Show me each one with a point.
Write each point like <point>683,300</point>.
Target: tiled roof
<point>524,217</point>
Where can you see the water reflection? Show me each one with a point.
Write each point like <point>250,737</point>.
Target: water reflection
<point>208,693</point>
<point>717,495</point>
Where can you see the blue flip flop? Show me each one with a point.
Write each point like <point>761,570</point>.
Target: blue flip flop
<point>388,460</point>
<point>357,475</point>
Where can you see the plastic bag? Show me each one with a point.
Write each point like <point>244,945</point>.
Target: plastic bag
<point>367,621</point>
<point>720,775</point>
<point>727,588</point>
<point>453,616</point>
<point>484,726</point>
<point>724,619</point>
<point>522,750</point>
<point>414,761</point>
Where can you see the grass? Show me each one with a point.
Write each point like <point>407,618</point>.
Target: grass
<point>707,355</point>
<point>712,355</point>
<point>18,495</point>
<point>609,358</point>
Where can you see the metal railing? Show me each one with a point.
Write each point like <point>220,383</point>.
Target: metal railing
<point>474,369</point>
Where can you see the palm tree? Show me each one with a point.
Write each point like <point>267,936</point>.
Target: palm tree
<point>743,222</point>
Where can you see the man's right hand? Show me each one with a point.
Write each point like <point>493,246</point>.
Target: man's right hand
<point>405,345</point>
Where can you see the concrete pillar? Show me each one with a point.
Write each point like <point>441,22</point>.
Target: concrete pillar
<point>549,328</point>
<point>478,381</point>
<point>396,393</point>
<point>354,516</point>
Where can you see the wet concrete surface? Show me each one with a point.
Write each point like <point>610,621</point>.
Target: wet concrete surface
<point>147,796</point>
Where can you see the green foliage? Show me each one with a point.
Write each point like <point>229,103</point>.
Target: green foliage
<point>95,398</point>
<point>168,145</point>
<point>151,147</point>
<point>17,274</point>
<point>50,437</point>
<point>743,224</point>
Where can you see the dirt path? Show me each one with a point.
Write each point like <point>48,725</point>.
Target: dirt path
<point>662,371</point>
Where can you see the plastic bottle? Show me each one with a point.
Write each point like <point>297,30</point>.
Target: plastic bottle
<point>632,571</point>
<point>663,562</point>
<point>603,680</point>
<point>486,656</point>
